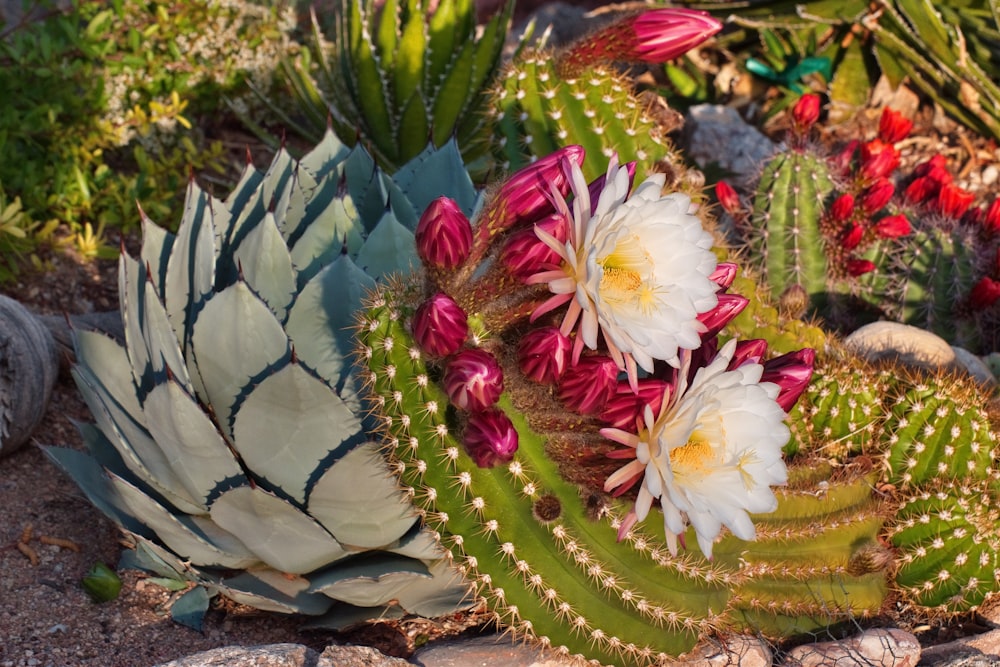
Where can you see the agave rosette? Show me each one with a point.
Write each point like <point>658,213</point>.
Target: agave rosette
<point>230,441</point>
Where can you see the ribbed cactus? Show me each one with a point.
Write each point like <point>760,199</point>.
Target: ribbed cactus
<point>400,75</point>
<point>548,99</point>
<point>231,442</point>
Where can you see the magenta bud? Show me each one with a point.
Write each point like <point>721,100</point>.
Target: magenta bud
<point>587,386</point>
<point>729,306</point>
<point>526,195</point>
<point>792,373</point>
<point>626,407</point>
<point>748,352</point>
<point>473,380</point>
<point>490,438</point>
<point>724,274</point>
<point>984,293</point>
<point>728,198</point>
<point>543,354</point>
<point>444,235</point>
<point>525,254</point>
<point>440,326</point>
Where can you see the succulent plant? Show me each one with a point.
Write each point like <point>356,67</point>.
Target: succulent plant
<point>231,443</point>
<point>546,99</point>
<point>400,75</point>
<point>862,244</point>
<point>946,51</point>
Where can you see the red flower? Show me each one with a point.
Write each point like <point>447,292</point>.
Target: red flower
<point>653,36</point>
<point>893,126</point>
<point>953,201</point>
<point>543,354</point>
<point>625,407</point>
<point>792,373</point>
<point>859,267</point>
<point>440,326</point>
<point>852,236</point>
<point>473,380</point>
<point>936,167</point>
<point>842,207</point>
<point>984,294</point>
<point>892,226</point>
<point>586,387</point>
<point>921,189</point>
<point>444,235</point>
<point>992,218</point>
<point>878,160</point>
<point>806,111</point>
<point>490,438</point>
<point>877,195</point>
<point>728,198</point>
<point>841,162</point>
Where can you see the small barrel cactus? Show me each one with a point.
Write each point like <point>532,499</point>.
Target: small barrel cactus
<point>231,442</point>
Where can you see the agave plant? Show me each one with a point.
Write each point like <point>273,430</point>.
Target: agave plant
<point>231,442</point>
<point>398,74</point>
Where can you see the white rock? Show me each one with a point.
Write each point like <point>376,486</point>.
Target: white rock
<point>912,345</point>
<point>872,648</point>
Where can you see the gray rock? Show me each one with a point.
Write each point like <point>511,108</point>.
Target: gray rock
<point>272,655</point>
<point>908,344</point>
<point>739,650</point>
<point>872,648</point>
<point>982,650</point>
<point>358,656</point>
<point>716,134</point>
<point>492,650</point>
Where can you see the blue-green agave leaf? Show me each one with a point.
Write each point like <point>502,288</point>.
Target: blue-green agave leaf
<point>389,250</point>
<point>189,609</point>
<point>267,267</point>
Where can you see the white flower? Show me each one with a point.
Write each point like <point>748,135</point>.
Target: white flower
<point>635,268</point>
<point>710,456</point>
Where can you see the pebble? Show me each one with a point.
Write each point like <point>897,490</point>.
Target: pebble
<point>990,175</point>
<point>881,647</point>
<point>709,126</point>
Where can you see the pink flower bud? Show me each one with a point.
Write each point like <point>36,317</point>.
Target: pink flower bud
<point>724,274</point>
<point>842,207</point>
<point>626,407</point>
<point>984,294</point>
<point>878,160</point>
<point>892,227</point>
<point>490,438</point>
<point>877,195</point>
<point>893,126</point>
<point>444,235</point>
<point>953,201</point>
<point>526,195</point>
<point>473,380</point>
<point>440,326</point>
<point>524,254</point>
<point>806,111</point>
<point>728,198</point>
<point>653,36</point>
<point>921,189</point>
<point>543,354</point>
<point>859,267</point>
<point>748,352</point>
<point>792,373</point>
<point>936,167</point>
<point>586,387</point>
<point>728,307</point>
<point>852,236</point>
<point>841,162</point>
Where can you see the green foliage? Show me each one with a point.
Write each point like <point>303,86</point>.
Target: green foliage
<point>397,78</point>
<point>101,583</point>
<point>231,442</point>
<point>100,103</point>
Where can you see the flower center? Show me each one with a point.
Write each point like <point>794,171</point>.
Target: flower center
<point>620,280</point>
<point>696,455</point>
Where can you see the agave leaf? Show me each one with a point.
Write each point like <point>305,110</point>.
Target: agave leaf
<point>359,502</point>
<point>246,590</point>
<point>268,525</point>
<point>489,47</point>
<point>154,558</point>
<point>442,31</point>
<point>414,130</point>
<point>161,343</point>
<point>370,581</point>
<point>108,363</point>
<point>926,23</point>
<point>178,532</point>
<point>387,30</point>
<point>233,212</point>
<point>441,593</point>
<point>342,616</point>
<point>91,479</point>
<point>136,447</point>
<point>366,80</point>
<point>156,245</point>
<point>290,585</point>
<point>235,339</point>
<point>190,442</point>
<point>288,424</point>
<point>425,177</point>
<point>419,544</point>
<point>450,96</point>
<point>189,609</point>
<point>131,294</point>
<point>319,322</point>
<point>266,265</point>
<point>390,249</point>
<point>324,159</point>
<point>408,64</point>
<point>290,208</point>
<point>330,226</point>
<point>191,267</point>
<point>276,177</point>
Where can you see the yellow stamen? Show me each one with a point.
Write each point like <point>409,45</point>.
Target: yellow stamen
<point>696,455</point>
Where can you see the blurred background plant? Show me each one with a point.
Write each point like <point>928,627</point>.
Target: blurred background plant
<point>108,103</point>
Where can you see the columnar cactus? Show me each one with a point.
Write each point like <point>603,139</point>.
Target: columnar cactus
<point>548,99</point>
<point>231,442</point>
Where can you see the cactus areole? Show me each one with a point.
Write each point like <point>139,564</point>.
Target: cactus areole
<point>595,458</point>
